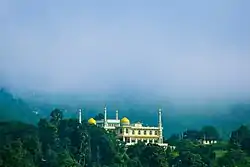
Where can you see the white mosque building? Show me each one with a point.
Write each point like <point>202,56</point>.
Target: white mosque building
<point>131,133</point>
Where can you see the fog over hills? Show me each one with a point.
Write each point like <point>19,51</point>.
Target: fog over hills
<point>189,58</point>
<point>177,116</point>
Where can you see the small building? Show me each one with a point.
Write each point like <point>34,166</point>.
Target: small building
<point>207,141</point>
<point>197,136</point>
<point>132,133</point>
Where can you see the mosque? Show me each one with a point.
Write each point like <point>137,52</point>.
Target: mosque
<point>131,133</point>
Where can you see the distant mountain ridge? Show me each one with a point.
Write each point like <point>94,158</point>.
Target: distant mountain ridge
<point>13,108</point>
<point>143,107</point>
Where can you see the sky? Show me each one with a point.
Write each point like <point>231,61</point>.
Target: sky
<point>175,48</point>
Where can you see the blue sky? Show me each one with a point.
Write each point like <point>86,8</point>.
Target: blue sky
<point>176,48</point>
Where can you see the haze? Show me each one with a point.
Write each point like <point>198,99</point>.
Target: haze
<point>173,48</point>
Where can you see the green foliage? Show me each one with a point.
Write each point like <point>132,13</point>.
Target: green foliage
<point>219,153</point>
<point>100,116</point>
<point>147,155</point>
<point>173,139</point>
<point>56,116</point>
<point>65,160</point>
<point>189,159</point>
<point>59,142</point>
<point>234,158</point>
<point>12,108</point>
<point>15,155</point>
<point>210,132</point>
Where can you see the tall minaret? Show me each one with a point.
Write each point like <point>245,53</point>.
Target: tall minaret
<point>116,115</point>
<point>105,117</point>
<point>80,116</point>
<point>160,126</point>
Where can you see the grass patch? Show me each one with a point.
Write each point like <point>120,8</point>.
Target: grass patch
<point>220,153</point>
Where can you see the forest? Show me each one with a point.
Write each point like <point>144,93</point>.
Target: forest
<point>63,142</point>
<point>56,140</point>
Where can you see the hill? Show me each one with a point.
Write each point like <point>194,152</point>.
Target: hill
<point>13,108</point>
<point>226,115</point>
<point>60,142</point>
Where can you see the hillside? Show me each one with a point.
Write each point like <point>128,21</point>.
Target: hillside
<point>12,108</point>
<point>226,116</point>
<point>60,142</point>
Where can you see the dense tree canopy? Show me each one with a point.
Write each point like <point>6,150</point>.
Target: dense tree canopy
<point>13,108</point>
<point>60,142</point>
<point>210,132</point>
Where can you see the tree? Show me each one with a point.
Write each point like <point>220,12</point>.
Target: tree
<point>234,158</point>
<point>15,109</point>
<point>58,142</point>
<point>100,116</point>
<point>102,146</point>
<point>154,156</point>
<point>245,144</point>
<point>65,160</point>
<point>147,155</point>
<point>188,159</point>
<point>240,138</point>
<point>136,150</point>
<point>50,158</point>
<point>210,132</point>
<point>186,145</point>
<point>48,135</point>
<point>56,116</point>
<point>192,135</point>
<point>173,139</point>
<point>207,154</point>
<point>15,155</point>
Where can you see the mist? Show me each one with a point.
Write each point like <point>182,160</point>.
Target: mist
<point>173,49</point>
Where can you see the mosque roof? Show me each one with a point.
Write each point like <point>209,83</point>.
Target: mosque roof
<point>125,120</point>
<point>92,121</point>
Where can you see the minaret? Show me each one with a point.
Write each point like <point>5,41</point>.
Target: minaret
<point>160,126</point>
<point>80,116</point>
<point>116,115</point>
<point>105,117</point>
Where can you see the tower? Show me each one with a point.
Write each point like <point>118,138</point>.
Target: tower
<point>80,116</point>
<point>160,126</point>
<point>116,115</point>
<point>105,117</point>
